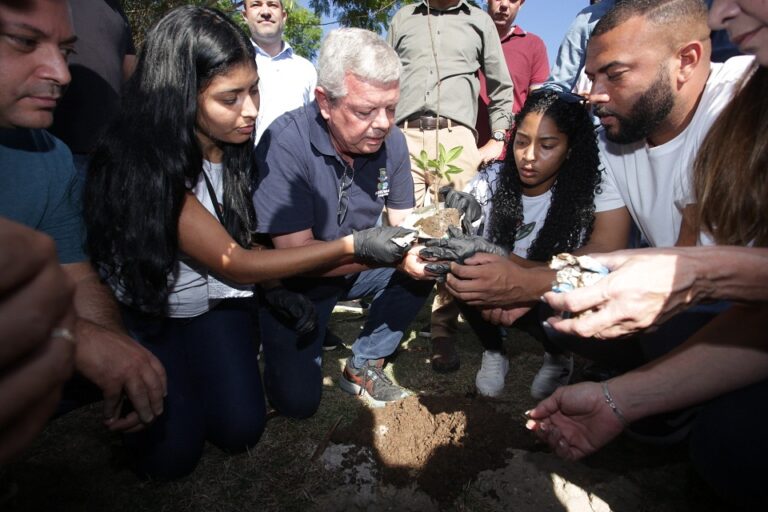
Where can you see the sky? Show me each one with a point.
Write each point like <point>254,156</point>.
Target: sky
<point>548,19</point>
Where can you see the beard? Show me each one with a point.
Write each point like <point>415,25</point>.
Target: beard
<point>648,112</point>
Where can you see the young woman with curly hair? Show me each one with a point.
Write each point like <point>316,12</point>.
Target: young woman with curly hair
<point>541,204</point>
<point>177,158</point>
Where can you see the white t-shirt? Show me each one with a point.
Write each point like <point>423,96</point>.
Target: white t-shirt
<point>286,82</point>
<point>534,213</point>
<point>655,183</point>
<point>189,293</point>
<point>483,186</point>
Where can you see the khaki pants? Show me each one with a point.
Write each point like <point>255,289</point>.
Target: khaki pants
<point>444,311</point>
<point>450,137</point>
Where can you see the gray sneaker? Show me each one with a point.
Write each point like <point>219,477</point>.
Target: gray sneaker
<point>371,382</point>
<point>555,371</point>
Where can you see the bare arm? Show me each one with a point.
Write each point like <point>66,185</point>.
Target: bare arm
<point>647,286</point>
<point>727,354</point>
<point>689,235</point>
<point>109,358</point>
<point>609,233</point>
<point>203,238</point>
<point>129,64</point>
<point>397,217</point>
<point>493,281</point>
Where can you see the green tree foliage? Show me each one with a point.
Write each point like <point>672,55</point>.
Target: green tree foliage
<point>142,14</point>
<point>370,14</point>
<point>302,30</point>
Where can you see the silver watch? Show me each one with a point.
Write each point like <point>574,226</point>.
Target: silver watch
<point>499,135</point>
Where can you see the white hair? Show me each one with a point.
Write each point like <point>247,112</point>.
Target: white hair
<point>356,51</point>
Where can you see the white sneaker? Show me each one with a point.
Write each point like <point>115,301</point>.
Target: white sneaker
<point>555,371</point>
<point>493,369</point>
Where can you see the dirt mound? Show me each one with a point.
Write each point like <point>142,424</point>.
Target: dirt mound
<point>440,442</point>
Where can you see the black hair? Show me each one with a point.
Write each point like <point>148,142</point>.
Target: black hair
<point>569,220</point>
<point>149,156</point>
<point>673,13</point>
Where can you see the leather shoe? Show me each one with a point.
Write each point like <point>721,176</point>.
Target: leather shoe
<point>445,359</point>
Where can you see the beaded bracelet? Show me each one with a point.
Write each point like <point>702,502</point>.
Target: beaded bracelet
<point>612,404</point>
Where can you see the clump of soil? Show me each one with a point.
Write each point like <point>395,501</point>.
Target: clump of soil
<point>440,442</point>
<point>436,224</point>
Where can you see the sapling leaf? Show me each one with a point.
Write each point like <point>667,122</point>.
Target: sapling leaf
<point>454,153</point>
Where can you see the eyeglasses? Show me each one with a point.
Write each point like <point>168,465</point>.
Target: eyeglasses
<point>345,183</point>
<point>566,96</point>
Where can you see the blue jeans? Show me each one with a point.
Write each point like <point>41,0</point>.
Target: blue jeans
<point>292,371</point>
<point>214,387</point>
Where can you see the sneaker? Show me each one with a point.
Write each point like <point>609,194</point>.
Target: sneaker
<point>352,306</point>
<point>331,341</point>
<point>425,331</point>
<point>445,359</point>
<point>371,382</point>
<point>555,371</point>
<point>493,370</point>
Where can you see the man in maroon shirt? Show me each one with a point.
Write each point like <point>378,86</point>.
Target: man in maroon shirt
<point>526,57</point>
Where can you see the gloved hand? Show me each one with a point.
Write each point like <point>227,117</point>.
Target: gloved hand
<point>291,308</point>
<point>376,244</point>
<point>465,203</point>
<point>458,247</point>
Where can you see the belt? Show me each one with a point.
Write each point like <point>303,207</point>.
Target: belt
<point>427,122</point>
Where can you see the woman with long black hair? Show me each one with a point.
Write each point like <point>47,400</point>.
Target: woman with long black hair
<point>540,204</point>
<point>171,228</point>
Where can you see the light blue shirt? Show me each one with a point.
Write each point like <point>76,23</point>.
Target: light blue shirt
<point>572,53</point>
<point>286,82</point>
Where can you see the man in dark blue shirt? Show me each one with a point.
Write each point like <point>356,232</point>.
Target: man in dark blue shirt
<point>326,170</point>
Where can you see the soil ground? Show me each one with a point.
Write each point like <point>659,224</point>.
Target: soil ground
<point>444,448</point>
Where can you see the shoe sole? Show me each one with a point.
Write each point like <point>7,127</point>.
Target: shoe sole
<point>362,394</point>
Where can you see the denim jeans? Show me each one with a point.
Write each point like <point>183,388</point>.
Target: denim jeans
<point>292,364</point>
<point>214,387</point>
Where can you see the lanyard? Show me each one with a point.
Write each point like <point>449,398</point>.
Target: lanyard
<point>212,194</point>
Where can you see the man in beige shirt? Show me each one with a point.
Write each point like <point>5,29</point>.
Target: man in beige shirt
<point>442,45</point>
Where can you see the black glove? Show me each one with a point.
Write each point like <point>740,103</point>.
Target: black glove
<point>458,247</point>
<point>376,245</point>
<point>293,309</point>
<point>438,269</point>
<point>465,203</point>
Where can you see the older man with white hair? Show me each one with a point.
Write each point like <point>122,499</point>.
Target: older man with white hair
<point>326,170</point>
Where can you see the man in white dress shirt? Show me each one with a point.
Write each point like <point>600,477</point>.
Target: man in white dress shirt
<point>287,80</point>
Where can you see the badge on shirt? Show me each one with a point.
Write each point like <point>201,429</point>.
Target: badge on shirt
<point>382,187</point>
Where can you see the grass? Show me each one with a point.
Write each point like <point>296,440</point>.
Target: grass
<point>76,465</point>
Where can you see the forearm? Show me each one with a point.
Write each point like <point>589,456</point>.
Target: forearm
<point>525,263</point>
<point>204,239</point>
<point>727,354</point>
<point>319,259</point>
<point>94,302</point>
<point>727,272</point>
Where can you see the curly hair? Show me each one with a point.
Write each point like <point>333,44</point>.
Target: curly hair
<point>570,218</point>
<point>149,157</point>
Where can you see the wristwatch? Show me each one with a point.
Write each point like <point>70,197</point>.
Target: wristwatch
<point>499,135</point>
